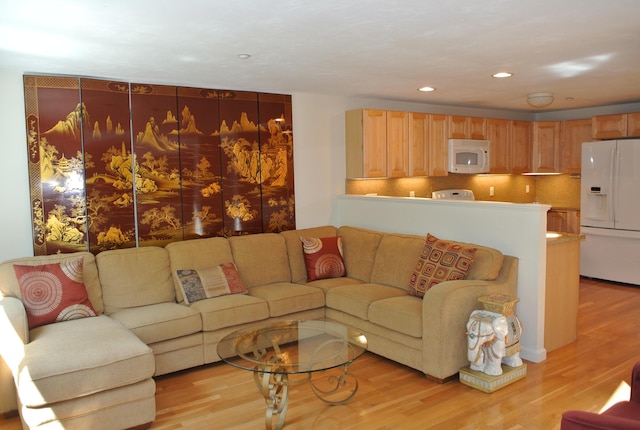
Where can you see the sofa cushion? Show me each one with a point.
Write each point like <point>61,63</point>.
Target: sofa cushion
<point>162,321</point>
<point>323,257</point>
<point>197,254</point>
<point>356,299</point>
<point>53,292</point>
<point>486,264</point>
<point>260,258</point>
<point>9,285</point>
<point>286,298</point>
<point>209,282</point>
<point>402,314</point>
<point>91,355</point>
<point>396,259</point>
<point>294,250</point>
<point>440,261</point>
<point>329,283</point>
<point>231,310</point>
<point>135,277</point>
<point>359,247</point>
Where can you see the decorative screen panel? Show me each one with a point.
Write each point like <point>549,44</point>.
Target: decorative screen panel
<point>116,165</point>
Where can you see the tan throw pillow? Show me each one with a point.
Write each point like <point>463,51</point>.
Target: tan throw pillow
<point>323,257</point>
<point>54,292</point>
<point>210,282</point>
<point>440,261</point>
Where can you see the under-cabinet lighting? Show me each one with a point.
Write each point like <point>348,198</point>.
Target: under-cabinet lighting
<point>502,75</point>
<point>426,89</point>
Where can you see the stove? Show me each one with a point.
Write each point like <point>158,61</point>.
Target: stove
<point>453,194</point>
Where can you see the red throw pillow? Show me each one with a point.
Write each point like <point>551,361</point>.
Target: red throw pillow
<point>53,292</point>
<point>440,261</point>
<point>323,257</point>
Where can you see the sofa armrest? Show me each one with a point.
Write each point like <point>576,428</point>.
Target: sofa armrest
<point>14,330</point>
<point>446,309</point>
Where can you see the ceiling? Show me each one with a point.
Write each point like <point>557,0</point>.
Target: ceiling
<point>586,52</point>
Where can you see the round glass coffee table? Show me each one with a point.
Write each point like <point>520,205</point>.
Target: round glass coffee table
<point>294,352</point>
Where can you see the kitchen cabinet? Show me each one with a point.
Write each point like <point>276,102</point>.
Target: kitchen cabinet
<point>498,134</point>
<point>546,138</point>
<point>366,143</point>
<point>418,144</point>
<point>397,144</point>
<point>438,132</point>
<point>572,134</point>
<point>465,127</point>
<point>616,125</point>
<point>563,220</point>
<point>561,291</point>
<point>520,149</point>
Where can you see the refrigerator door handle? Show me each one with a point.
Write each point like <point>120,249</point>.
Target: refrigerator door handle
<point>615,165</point>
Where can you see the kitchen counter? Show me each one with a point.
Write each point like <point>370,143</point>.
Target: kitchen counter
<point>562,289</point>
<point>555,237</point>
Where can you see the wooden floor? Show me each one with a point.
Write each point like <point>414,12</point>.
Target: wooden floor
<point>583,375</point>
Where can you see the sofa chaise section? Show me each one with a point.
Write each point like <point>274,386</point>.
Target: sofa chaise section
<point>82,373</point>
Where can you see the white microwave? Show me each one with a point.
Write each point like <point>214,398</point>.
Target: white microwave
<point>468,156</point>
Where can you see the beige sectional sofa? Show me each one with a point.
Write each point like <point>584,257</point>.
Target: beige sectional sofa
<point>98,372</point>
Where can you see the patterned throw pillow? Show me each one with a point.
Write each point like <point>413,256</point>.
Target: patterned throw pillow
<point>323,257</point>
<point>53,292</point>
<point>440,261</point>
<point>210,282</point>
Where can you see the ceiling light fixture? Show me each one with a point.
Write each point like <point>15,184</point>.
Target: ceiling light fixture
<point>540,100</point>
<point>244,56</point>
<point>426,89</point>
<point>502,75</point>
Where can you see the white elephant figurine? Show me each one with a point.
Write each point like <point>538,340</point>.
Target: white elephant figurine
<point>486,335</point>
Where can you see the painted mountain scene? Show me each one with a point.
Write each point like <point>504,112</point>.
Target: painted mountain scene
<point>121,165</point>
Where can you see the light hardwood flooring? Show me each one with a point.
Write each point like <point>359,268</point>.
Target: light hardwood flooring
<point>582,375</point>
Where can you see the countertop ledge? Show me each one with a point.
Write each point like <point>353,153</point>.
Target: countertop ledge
<point>563,237</point>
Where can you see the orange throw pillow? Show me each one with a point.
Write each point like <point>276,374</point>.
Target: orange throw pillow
<point>440,261</point>
<point>323,257</point>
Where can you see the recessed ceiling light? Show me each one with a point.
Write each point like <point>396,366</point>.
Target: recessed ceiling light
<point>244,56</point>
<point>426,89</point>
<point>502,75</point>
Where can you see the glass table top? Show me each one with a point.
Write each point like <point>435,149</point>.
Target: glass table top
<point>293,347</point>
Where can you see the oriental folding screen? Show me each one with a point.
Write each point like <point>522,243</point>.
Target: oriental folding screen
<point>115,164</point>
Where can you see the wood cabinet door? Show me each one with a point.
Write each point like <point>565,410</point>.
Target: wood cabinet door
<point>609,126</point>
<point>546,137</point>
<point>498,131</point>
<point>477,128</point>
<point>397,144</point>
<point>572,134</point>
<point>633,124</point>
<point>438,145</point>
<point>374,143</point>
<point>520,151</point>
<point>418,144</point>
<point>458,127</point>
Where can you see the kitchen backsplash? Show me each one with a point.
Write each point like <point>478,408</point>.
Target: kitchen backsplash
<point>558,191</point>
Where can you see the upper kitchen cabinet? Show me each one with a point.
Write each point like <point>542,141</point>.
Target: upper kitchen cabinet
<point>615,126</point>
<point>438,132</point>
<point>397,144</point>
<point>572,134</point>
<point>498,134</point>
<point>465,127</point>
<point>546,138</point>
<point>418,144</point>
<point>366,143</point>
<point>520,151</point>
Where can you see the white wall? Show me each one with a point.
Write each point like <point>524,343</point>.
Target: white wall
<point>15,215</point>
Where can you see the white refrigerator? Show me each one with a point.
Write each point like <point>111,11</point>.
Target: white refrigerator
<point>610,210</point>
